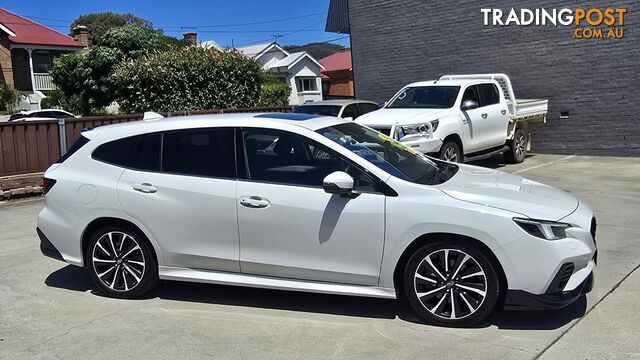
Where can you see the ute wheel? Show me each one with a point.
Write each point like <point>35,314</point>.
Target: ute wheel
<point>450,151</point>
<point>120,262</point>
<point>451,284</point>
<point>518,147</point>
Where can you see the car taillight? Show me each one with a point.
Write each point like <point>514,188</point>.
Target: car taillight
<point>47,184</point>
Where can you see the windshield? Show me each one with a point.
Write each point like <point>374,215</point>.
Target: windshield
<point>425,97</point>
<point>324,110</point>
<point>389,155</point>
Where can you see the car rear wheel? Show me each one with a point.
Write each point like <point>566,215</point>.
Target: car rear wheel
<point>120,262</point>
<point>518,147</point>
<point>451,284</point>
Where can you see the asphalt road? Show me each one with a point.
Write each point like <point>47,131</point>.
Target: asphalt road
<point>48,310</point>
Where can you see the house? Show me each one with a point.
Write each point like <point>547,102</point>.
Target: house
<point>27,50</point>
<point>591,83</point>
<point>301,71</point>
<point>337,76</point>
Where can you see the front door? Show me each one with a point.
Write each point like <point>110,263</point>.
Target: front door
<point>473,124</point>
<point>289,227</point>
<point>189,202</point>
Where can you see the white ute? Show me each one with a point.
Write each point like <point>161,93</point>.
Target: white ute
<point>460,118</point>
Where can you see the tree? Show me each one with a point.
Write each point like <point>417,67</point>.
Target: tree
<point>9,97</point>
<point>88,75</point>
<point>99,23</point>
<point>188,79</point>
<point>273,90</point>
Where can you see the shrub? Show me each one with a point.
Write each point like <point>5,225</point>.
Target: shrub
<point>56,99</point>
<point>9,97</point>
<point>190,78</point>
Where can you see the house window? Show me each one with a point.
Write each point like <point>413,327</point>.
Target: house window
<point>307,84</point>
<point>41,62</point>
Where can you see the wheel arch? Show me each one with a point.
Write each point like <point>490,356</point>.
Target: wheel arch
<point>101,222</point>
<point>424,239</point>
<point>455,138</point>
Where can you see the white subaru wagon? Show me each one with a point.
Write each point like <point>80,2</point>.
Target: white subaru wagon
<point>307,203</point>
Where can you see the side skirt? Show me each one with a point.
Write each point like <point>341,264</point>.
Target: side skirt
<point>265,282</point>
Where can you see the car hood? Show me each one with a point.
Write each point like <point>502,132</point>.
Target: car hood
<point>388,117</point>
<point>509,192</point>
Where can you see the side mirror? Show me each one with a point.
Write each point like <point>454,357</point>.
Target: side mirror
<point>469,105</point>
<point>338,182</point>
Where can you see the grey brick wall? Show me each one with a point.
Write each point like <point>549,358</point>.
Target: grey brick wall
<point>395,42</point>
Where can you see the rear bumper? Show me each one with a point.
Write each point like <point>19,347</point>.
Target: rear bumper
<point>522,300</point>
<point>47,248</point>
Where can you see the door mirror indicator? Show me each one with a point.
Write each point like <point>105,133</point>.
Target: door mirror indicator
<point>469,105</point>
<point>338,182</point>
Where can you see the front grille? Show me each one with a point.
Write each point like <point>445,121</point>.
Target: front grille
<point>561,279</point>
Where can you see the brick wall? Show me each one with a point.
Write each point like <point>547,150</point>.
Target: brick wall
<point>395,42</point>
<point>6,70</point>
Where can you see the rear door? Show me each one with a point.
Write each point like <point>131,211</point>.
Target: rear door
<point>181,185</point>
<point>494,114</point>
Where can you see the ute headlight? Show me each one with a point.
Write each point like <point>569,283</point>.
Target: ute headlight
<point>549,230</point>
<point>419,128</point>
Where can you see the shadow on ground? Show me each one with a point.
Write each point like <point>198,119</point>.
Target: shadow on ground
<point>495,162</point>
<point>76,279</point>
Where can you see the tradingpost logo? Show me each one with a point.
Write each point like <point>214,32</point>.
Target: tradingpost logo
<point>591,23</point>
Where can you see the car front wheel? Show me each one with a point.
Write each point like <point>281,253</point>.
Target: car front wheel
<point>451,284</point>
<point>120,262</point>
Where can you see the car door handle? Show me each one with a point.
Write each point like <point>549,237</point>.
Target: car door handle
<point>254,202</point>
<point>145,188</point>
<point>503,112</point>
<point>484,115</point>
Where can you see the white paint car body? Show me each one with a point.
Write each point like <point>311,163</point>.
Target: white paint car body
<point>241,231</point>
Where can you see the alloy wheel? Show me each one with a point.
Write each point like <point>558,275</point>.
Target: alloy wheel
<point>118,261</point>
<point>450,154</point>
<point>520,144</point>
<point>450,284</point>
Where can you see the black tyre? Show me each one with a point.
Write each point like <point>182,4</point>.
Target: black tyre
<point>121,262</point>
<point>450,151</point>
<point>451,284</point>
<point>517,147</point>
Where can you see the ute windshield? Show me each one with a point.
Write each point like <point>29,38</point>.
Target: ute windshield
<point>425,97</point>
<point>389,155</point>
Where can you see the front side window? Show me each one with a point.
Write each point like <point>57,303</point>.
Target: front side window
<point>366,107</point>
<point>471,93</point>
<point>389,155</point>
<point>351,111</point>
<point>425,97</point>
<point>201,152</point>
<point>281,157</point>
<point>323,110</point>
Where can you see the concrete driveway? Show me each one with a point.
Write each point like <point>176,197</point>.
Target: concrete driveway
<point>49,310</point>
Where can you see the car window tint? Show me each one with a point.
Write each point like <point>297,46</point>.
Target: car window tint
<point>146,155</point>
<point>116,152</point>
<point>471,94</point>
<point>324,110</point>
<point>282,157</point>
<point>206,152</point>
<point>366,108</point>
<point>489,94</point>
<point>351,111</point>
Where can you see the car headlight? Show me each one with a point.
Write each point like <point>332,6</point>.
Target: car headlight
<point>419,128</point>
<point>549,230</point>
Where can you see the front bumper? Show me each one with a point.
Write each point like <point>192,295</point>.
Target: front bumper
<point>522,300</point>
<point>424,145</point>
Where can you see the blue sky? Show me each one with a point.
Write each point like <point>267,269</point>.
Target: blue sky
<point>213,20</point>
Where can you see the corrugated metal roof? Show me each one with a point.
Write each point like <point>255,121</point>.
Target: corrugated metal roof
<point>337,61</point>
<point>31,33</point>
<point>338,17</point>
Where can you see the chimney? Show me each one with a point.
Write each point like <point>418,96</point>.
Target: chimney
<point>81,34</point>
<point>191,37</point>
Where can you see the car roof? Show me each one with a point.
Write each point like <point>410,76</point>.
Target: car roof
<point>283,121</point>
<point>337,102</point>
<point>457,82</point>
<point>28,112</point>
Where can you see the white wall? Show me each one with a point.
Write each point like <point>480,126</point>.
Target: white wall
<point>304,68</point>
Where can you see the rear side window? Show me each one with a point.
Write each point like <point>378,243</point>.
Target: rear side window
<point>146,154</point>
<point>116,152</point>
<point>82,141</point>
<point>205,152</point>
<point>489,94</point>
<point>366,107</point>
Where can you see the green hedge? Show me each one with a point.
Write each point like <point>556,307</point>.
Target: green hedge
<point>188,79</point>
